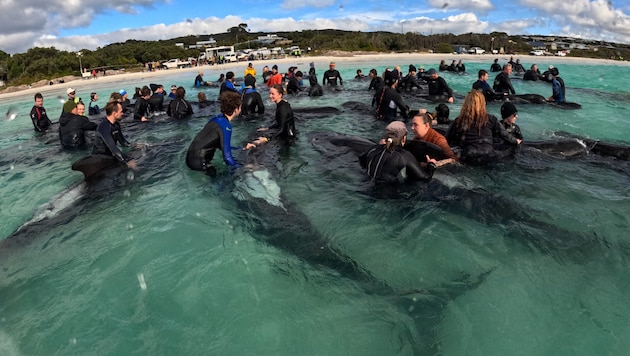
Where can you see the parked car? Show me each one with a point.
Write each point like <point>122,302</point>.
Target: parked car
<point>231,57</point>
<point>175,63</point>
<point>537,52</point>
<point>476,50</point>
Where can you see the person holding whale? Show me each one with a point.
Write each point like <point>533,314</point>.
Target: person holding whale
<point>284,127</point>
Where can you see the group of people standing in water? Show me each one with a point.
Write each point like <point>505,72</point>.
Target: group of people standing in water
<point>474,136</point>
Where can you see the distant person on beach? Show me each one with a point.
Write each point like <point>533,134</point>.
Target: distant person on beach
<point>41,122</point>
<point>438,86</point>
<point>532,74</point>
<point>332,75</point>
<point>502,82</point>
<point>495,67</point>
<point>557,84</point>
<point>72,127</point>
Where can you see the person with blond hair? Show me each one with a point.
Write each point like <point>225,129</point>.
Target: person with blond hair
<point>474,131</point>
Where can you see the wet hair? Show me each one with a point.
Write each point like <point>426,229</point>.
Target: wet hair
<point>442,112</point>
<point>180,93</point>
<point>481,73</point>
<point>230,101</point>
<point>229,75</point>
<point>201,96</point>
<point>373,71</point>
<point>145,91</point>
<point>473,111</point>
<point>38,96</point>
<point>359,71</point>
<point>92,95</point>
<point>115,96</point>
<point>279,88</point>
<point>506,66</point>
<point>391,141</point>
<point>112,107</point>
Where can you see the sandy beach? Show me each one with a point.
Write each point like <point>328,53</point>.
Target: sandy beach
<point>402,59</point>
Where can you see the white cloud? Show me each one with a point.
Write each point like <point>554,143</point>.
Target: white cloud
<point>480,6</point>
<point>296,4</point>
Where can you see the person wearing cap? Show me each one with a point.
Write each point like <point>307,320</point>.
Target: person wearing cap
<point>173,93</point>
<point>495,67</point>
<point>72,101</point>
<point>293,86</point>
<point>142,107</point>
<point>252,100</point>
<point>179,108</point>
<point>124,101</point>
<point>275,77</point>
<point>546,76</point>
<point>532,74</point>
<point>216,134</point>
<point>228,84</point>
<point>438,86</point>
<point>250,70</point>
<point>108,133</point>
<point>502,82</point>
<point>284,127</point>
<point>387,101</point>
<point>474,131</point>
<point>72,127</point>
<point>391,163</point>
<point>199,80</point>
<point>332,75</point>
<point>557,84</point>
<point>41,122</point>
<point>421,127</point>
<point>482,85</point>
<point>509,114</point>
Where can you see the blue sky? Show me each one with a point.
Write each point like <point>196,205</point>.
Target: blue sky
<point>78,24</point>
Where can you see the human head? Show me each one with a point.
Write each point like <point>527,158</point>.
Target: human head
<point>123,93</point>
<point>39,100</point>
<point>359,72</point>
<point>274,68</point>
<point>71,92</point>
<point>180,93</point>
<point>250,65</point>
<point>412,68</point>
<point>145,91</point>
<point>442,111</point>
<point>373,73</point>
<point>483,75</point>
<point>115,96</point>
<point>276,92</point>
<point>391,77</point>
<point>113,109</point>
<point>509,112</point>
<point>432,73</point>
<point>80,108</point>
<point>332,65</point>
<point>534,67</point>
<point>473,111</point>
<point>395,134</point>
<point>421,123</point>
<point>554,72</point>
<point>174,88</point>
<point>550,67</point>
<point>299,74</point>
<point>250,81</point>
<point>229,76</point>
<point>496,60</point>
<point>507,68</point>
<point>230,103</point>
<point>201,96</point>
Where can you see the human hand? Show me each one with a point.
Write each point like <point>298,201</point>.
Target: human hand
<point>262,129</point>
<point>131,164</point>
<point>450,100</point>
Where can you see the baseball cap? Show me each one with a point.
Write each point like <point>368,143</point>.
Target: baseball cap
<point>70,90</point>
<point>396,129</point>
<point>431,71</point>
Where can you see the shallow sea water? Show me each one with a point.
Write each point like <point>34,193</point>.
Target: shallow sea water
<point>529,257</point>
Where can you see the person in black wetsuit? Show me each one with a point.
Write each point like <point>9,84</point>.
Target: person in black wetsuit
<point>331,76</point>
<point>228,84</point>
<point>495,67</point>
<point>284,127</point>
<point>216,134</point>
<point>509,114</point>
<point>141,108</point>
<point>391,163</point>
<point>546,76</point>
<point>377,81</point>
<point>108,133</point>
<point>518,67</point>
<point>438,86</point>
<point>532,74</point>
<point>315,89</point>
<point>93,108</point>
<point>41,122</point>
<point>502,82</point>
<point>293,86</point>
<point>410,81</point>
<point>156,101</point>
<point>387,101</point>
<point>72,127</point>
<point>252,101</point>
<point>475,131</point>
<point>179,108</point>
<point>199,80</point>
<point>482,85</point>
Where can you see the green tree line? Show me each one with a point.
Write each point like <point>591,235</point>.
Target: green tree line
<point>48,63</point>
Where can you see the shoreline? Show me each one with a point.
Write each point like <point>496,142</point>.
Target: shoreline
<point>402,59</point>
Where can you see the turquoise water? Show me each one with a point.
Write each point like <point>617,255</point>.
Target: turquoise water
<point>165,261</point>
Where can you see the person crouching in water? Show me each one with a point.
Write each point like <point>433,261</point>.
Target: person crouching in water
<point>391,163</point>
<point>217,134</point>
<point>474,131</point>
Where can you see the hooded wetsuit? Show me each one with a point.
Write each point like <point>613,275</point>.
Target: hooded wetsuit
<point>71,129</point>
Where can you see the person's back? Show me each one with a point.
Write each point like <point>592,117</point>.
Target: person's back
<point>495,67</point>
<point>72,129</point>
<point>252,102</point>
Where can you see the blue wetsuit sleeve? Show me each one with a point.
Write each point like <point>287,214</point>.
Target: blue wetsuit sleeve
<point>226,148</point>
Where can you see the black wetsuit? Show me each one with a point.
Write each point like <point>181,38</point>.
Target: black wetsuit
<point>40,120</point>
<point>331,77</point>
<point>518,68</point>
<point>546,76</point>
<point>513,130</point>
<point>105,141</point>
<point>387,101</point>
<point>227,86</point>
<point>179,108</point>
<point>315,89</point>
<point>199,81</point>
<point>141,109</point>
<point>216,134</point>
<point>531,75</point>
<point>284,126</point>
<point>252,102</point>
<point>293,87</point>
<point>495,67</point>
<point>443,67</point>
<point>477,143</point>
<point>71,130</point>
<point>156,102</point>
<point>397,166</point>
<point>376,83</point>
<point>409,82</point>
<point>119,138</point>
<point>503,84</point>
<point>487,91</point>
<point>438,86</point>
<point>93,108</point>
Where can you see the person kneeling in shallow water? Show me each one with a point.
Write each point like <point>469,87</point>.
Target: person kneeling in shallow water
<point>391,163</point>
<point>217,134</point>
